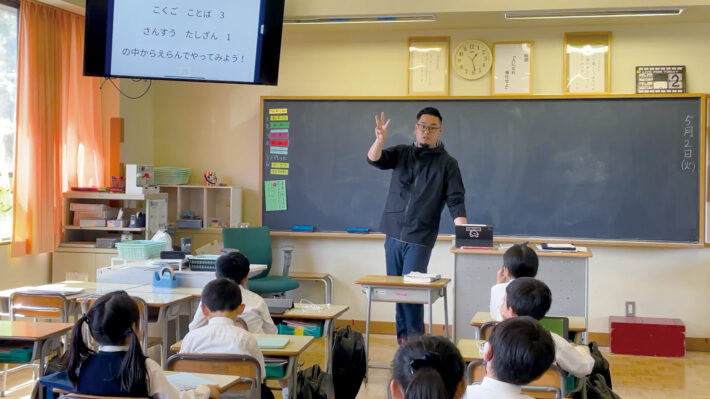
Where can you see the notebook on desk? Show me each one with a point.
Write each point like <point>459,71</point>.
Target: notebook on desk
<point>272,342</point>
<point>469,236</point>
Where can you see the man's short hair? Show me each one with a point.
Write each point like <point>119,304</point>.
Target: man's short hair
<point>521,261</point>
<point>527,296</point>
<point>522,350</point>
<point>221,295</point>
<point>232,265</point>
<point>430,111</point>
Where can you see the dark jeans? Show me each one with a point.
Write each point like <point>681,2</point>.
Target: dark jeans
<point>402,258</point>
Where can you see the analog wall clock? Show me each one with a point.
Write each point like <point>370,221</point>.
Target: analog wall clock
<point>472,59</point>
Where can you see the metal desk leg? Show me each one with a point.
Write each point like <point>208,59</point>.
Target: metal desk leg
<point>368,290</point>
<point>446,313</point>
<point>331,284</point>
<point>292,379</point>
<point>431,316</point>
<point>328,325</point>
<point>164,348</point>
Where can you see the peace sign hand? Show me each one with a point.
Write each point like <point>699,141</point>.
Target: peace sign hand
<point>381,127</point>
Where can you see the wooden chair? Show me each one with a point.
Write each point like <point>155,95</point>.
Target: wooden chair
<point>486,329</point>
<point>551,384</point>
<point>35,305</point>
<point>238,365</point>
<point>146,342</point>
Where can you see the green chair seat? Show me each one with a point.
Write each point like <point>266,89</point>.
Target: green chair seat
<point>271,284</point>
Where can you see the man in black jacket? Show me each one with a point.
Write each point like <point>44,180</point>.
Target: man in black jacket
<point>424,178</point>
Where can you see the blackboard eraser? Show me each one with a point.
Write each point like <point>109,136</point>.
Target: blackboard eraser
<point>360,230</point>
<point>302,227</point>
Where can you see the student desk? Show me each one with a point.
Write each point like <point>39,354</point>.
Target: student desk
<point>566,273</point>
<point>393,289</point>
<point>577,324</point>
<point>296,346</point>
<point>224,382</point>
<point>142,272</point>
<point>39,333</point>
<point>327,313</point>
<point>470,349</point>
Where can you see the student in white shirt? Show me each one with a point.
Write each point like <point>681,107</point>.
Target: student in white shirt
<point>527,296</point>
<point>427,366</point>
<point>119,368</point>
<point>519,351</point>
<point>235,266</point>
<point>518,261</point>
<point>221,304</point>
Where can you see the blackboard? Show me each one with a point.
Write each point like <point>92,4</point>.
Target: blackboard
<point>599,168</point>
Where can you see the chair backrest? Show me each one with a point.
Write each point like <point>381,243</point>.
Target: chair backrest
<point>237,365</point>
<point>487,328</point>
<point>557,325</point>
<point>253,242</point>
<point>551,384</point>
<point>142,309</point>
<point>39,305</point>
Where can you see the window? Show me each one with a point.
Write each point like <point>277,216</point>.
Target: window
<point>8,92</point>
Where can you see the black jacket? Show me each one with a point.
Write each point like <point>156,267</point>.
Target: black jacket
<point>423,180</point>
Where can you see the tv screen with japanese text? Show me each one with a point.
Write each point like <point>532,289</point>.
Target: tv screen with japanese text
<point>235,41</point>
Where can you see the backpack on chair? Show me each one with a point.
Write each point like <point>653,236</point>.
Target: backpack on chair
<point>349,362</point>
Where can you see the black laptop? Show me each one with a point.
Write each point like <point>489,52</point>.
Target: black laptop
<point>474,235</point>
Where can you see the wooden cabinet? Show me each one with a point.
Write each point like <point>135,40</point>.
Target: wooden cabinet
<point>220,203</point>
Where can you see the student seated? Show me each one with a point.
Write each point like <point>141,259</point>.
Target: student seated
<point>527,296</point>
<point>518,261</point>
<point>428,367</point>
<point>221,304</point>
<point>235,266</point>
<point>519,351</point>
<point>119,368</point>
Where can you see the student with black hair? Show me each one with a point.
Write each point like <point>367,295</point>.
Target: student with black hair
<point>119,368</point>
<point>235,266</point>
<point>221,304</point>
<point>527,296</point>
<point>519,351</point>
<point>428,367</point>
<point>518,261</point>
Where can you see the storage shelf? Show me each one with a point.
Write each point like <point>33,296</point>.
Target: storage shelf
<point>134,229</point>
<point>107,196</point>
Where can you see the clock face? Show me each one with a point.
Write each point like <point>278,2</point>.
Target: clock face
<point>472,59</point>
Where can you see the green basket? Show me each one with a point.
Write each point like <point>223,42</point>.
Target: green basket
<point>313,331</point>
<point>139,249</point>
<point>17,355</point>
<point>275,370</point>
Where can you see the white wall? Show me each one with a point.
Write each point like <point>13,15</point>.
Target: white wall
<point>216,127</point>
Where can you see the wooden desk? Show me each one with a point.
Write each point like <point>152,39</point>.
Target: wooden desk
<point>380,288</point>
<point>168,309</point>
<point>39,333</point>
<point>566,273</point>
<point>576,324</point>
<point>470,349</point>
<point>325,312</point>
<point>296,346</point>
<point>224,382</point>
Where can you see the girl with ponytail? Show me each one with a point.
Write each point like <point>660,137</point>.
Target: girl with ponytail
<point>428,367</point>
<point>119,368</point>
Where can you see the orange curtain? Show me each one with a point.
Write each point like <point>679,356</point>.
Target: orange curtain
<point>59,141</point>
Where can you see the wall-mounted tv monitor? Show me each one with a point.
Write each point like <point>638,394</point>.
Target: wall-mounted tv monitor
<point>235,41</point>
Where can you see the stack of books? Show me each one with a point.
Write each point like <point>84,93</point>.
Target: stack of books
<point>417,277</point>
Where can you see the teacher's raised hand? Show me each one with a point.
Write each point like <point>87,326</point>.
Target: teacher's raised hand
<point>381,127</point>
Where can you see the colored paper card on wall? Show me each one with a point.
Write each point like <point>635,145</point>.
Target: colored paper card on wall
<point>279,150</point>
<point>279,130</point>
<point>273,111</point>
<point>278,118</point>
<point>279,165</point>
<point>275,195</point>
<point>278,125</point>
<point>278,135</point>
<point>279,172</point>
<point>278,143</point>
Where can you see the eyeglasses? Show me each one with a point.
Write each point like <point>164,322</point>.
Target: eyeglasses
<point>428,128</point>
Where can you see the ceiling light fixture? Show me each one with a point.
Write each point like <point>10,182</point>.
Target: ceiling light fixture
<point>609,13</point>
<point>361,19</point>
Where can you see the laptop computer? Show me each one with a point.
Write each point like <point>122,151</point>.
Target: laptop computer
<point>474,235</point>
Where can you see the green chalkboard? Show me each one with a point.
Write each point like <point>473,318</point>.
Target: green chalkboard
<point>601,168</point>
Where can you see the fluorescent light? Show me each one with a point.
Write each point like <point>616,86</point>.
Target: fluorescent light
<point>361,19</point>
<point>610,13</point>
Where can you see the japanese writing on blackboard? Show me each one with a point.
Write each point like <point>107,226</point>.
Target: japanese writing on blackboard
<point>688,162</point>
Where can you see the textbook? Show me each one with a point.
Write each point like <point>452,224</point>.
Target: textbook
<point>272,342</point>
<point>417,277</point>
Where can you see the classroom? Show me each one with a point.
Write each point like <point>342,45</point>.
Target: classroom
<point>218,127</point>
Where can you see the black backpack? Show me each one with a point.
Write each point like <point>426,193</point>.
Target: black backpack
<point>314,383</point>
<point>349,363</point>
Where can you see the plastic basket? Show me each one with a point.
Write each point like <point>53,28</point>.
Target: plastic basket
<point>171,175</point>
<point>140,249</point>
<point>313,331</point>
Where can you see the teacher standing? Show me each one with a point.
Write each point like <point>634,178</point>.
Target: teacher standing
<point>424,178</point>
